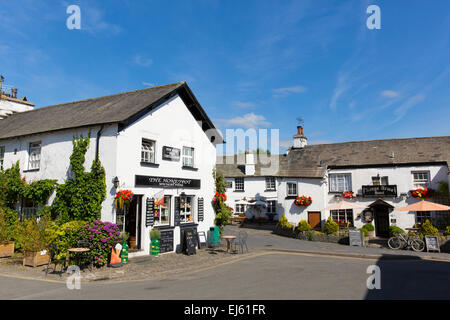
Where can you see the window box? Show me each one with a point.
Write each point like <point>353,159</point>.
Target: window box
<point>189,168</point>
<point>149,164</point>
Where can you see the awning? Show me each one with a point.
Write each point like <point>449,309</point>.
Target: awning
<point>425,206</point>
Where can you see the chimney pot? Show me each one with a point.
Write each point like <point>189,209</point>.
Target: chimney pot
<point>300,130</point>
<point>14,93</point>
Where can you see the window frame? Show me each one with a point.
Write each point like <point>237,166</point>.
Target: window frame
<point>419,183</point>
<point>269,182</point>
<point>287,189</point>
<point>157,220</point>
<point>335,176</point>
<point>148,141</point>
<point>237,207</point>
<point>30,154</point>
<point>271,206</point>
<point>238,184</point>
<point>346,213</point>
<point>191,209</point>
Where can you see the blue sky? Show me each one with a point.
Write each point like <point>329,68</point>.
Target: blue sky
<point>251,64</point>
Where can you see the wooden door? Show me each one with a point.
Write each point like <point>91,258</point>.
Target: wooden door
<point>314,219</point>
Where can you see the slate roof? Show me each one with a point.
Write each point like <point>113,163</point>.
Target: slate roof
<point>123,108</point>
<point>305,162</point>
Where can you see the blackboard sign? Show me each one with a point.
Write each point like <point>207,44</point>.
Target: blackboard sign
<point>166,182</point>
<point>150,212</point>
<point>355,238</point>
<point>190,241</point>
<point>200,209</point>
<point>432,243</point>
<point>171,154</point>
<point>177,211</point>
<point>166,241</point>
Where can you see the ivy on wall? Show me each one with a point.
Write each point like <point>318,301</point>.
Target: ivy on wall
<point>81,196</point>
<point>223,212</point>
<point>12,186</point>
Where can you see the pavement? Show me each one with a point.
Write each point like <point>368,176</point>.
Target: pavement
<point>265,238</point>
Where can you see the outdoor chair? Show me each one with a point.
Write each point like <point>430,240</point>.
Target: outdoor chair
<point>53,248</point>
<point>241,241</point>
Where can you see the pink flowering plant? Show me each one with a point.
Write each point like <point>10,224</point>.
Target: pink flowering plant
<point>102,237</point>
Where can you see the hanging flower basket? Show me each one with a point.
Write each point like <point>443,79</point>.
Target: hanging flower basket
<point>348,195</point>
<point>219,197</point>
<point>123,198</point>
<point>303,201</point>
<point>422,193</point>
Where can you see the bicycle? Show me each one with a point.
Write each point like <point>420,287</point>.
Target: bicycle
<point>399,241</point>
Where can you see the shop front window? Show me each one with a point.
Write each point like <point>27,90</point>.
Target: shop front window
<point>422,216</point>
<point>186,209</point>
<point>162,211</point>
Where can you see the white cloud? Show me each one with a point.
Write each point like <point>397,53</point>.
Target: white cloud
<point>242,104</point>
<point>142,61</point>
<point>284,92</point>
<point>390,93</point>
<point>249,120</point>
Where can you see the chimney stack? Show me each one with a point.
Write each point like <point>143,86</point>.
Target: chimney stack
<point>14,93</point>
<point>249,163</point>
<point>300,141</point>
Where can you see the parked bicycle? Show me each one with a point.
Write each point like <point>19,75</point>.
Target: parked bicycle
<point>400,241</point>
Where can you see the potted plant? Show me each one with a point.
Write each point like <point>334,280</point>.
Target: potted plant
<point>303,201</point>
<point>7,220</point>
<point>155,235</point>
<point>370,229</point>
<point>34,238</point>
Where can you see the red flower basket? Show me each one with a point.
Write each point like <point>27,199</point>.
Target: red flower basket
<point>348,195</point>
<point>303,201</point>
<point>422,193</point>
<point>221,197</point>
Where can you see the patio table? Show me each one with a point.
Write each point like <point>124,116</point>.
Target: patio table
<point>229,239</point>
<point>78,252</point>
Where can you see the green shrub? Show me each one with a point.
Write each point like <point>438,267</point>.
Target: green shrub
<point>303,225</point>
<point>283,222</point>
<point>369,227</point>
<point>33,235</point>
<point>447,231</point>
<point>8,218</point>
<point>364,231</point>
<point>102,236</point>
<point>155,234</point>
<point>67,236</point>
<point>311,235</point>
<point>427,229</point>
<point>394,230</point>
<point>331,227</point>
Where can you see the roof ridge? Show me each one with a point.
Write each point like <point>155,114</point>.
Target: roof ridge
<point>375,140</point>
<point>101,97</point>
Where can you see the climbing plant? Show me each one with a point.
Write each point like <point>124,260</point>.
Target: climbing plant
<point>82,194</point>
<point>223,212</point>
<point>39,191</point>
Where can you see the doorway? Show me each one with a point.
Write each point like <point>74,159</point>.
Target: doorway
<point>314,220</point>
<point>133,222</point>
<point>381,217</point>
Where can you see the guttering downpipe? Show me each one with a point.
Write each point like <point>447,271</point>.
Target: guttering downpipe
<point>97,146</point>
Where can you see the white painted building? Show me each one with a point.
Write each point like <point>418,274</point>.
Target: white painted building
<point>157,142</point>
<point>380,173</point>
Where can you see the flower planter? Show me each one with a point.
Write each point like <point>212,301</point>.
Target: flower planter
<point>35,259</point>
<point>371,234</point>
<point>6,250</point>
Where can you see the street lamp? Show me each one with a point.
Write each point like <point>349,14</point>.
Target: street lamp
<point>116,182</point>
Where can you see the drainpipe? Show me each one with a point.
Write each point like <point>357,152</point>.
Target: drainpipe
<point>97,146</point>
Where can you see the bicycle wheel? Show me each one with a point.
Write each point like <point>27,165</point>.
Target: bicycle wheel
<point>418,245</point>
<point>395,243</point>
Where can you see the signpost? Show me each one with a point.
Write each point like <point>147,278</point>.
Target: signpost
<point>432,243</point>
